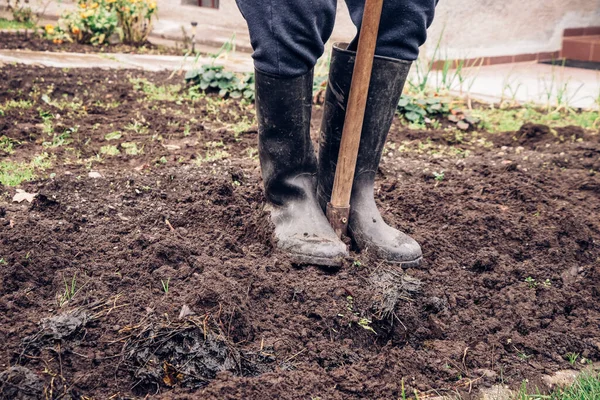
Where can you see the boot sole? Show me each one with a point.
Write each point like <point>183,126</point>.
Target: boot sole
<point>301,259</point>
<point>408,264</point>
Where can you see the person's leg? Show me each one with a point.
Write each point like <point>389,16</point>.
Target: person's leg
<point>402,31</point>
<point>287,37</point>
<point>402,28</point>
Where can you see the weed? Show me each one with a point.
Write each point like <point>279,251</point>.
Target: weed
<point>41,161</point>
<point>110,150</point>
<point>366,324</point>
<point>212,155</point>
<point>2,261</point>
<point>357,264</point>
<point>138,127</point>
<point>438,176</point>
<point>16,104</point>
<point>547,283</point>
<point>69,292</point>
<point>165,285</point>
<point>7,144</point>
<point>243,125</point>
<point>186,130</point>
<point>158,93</point>
<point>113,135</point>
<point>532,283</point>
<point>572,357</point>
<point>131,148</point>
<point>523,356</point>
<point>510,87</point>
<point>62,139</point>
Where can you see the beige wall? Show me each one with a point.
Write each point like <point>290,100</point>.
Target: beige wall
<point>478,28</point>
<point>471,28</point>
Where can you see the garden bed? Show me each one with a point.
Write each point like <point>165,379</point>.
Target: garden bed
<point>30,40</point>
<point>144,265</point>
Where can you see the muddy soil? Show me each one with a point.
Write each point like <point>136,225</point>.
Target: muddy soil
<point>152,272</point>
<point>30,40</point>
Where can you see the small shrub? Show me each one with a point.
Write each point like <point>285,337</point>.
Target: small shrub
<point>92,23</point>
<point>20,11</point>
<point>135,19</point>
<point>95,21</point>
<point>215,78</point>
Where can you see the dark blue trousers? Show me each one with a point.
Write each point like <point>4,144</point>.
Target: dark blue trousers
<point>288,36</point>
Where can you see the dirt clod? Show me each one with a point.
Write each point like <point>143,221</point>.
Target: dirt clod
<point>20,383</point>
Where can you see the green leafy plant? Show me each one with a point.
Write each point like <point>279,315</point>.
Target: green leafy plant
<point>228,84</point>
<point>531,283</point>
<point>418,109</point>
<point>93,22</point>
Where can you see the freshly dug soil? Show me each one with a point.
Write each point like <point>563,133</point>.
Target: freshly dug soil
<point>30,40</point>
<point>154,275</point>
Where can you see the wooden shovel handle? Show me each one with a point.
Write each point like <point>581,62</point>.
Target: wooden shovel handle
<point>338,209</point>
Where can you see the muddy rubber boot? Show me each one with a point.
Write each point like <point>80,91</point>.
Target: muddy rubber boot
<point>365,225</point>
<point>289,168</point>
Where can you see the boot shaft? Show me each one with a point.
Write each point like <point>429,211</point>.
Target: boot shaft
<point>287,158</point>
<point>387,81</point>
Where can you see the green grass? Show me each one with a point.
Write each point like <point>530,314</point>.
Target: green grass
<point>14,173</point>
<point>586,387</point>
<point>6,24</point>
<point>505,120</point>
<point>15,104</point>
<point>157,93</point>
<point>7,144</point>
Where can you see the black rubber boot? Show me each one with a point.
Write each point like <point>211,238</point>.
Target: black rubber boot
<point>289,168</point>
<point>365,225</point>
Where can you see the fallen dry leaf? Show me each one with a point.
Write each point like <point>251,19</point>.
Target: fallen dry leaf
<point>23,195</point>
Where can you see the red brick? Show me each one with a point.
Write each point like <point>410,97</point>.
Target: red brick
<point>548,56</point>
<point>476,62</point>
<point>595,56</point>
<point>592,30</point>
<point>526,57</point>
<point>577,50</point>
<point>573,32</point>
<point>501,60</point>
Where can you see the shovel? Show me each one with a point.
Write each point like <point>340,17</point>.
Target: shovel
<point>338,209</point>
